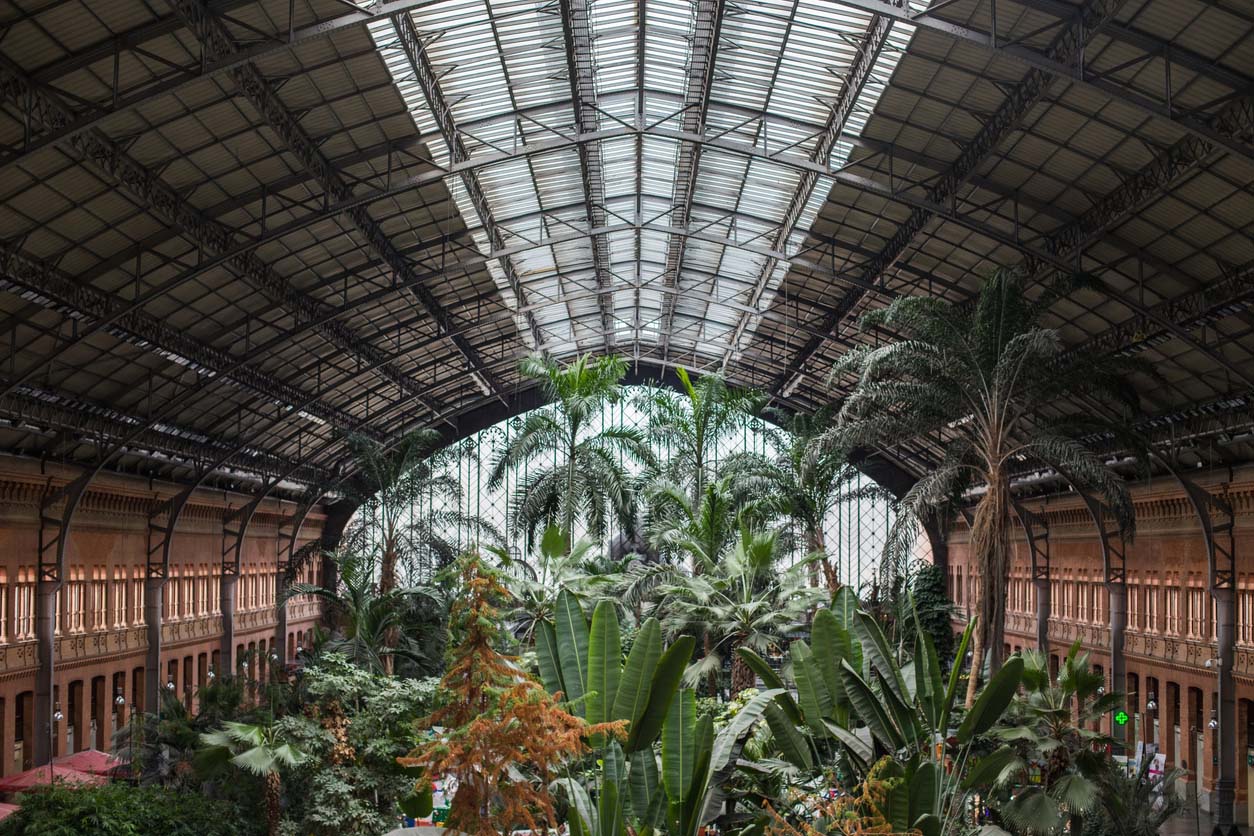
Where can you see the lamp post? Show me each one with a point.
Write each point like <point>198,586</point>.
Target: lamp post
<point>57,717</point>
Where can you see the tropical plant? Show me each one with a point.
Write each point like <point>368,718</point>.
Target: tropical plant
<point>585,664</point>
<point>353,724</point>
<point>979,380</point>
<point>367,619</point>
<point>392,524</point>
<point>691,425</point>
<point>858,700</point>
<point>119,809</point>
<point>504,736</point>
<point>803,480</point>
<point>1135,805</point>
<point>1051,730</point>
<point>739,598</point>
<point>536,581</point>
<point>573,472</point>
<point>258,749</point>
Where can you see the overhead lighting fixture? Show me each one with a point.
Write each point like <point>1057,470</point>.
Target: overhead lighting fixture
<point>792,385</point>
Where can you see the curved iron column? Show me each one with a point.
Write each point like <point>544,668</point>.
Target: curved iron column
<point>1036,529</point>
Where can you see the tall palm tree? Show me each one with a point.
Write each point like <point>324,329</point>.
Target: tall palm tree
<point>740,598</point>
<point>982,380</point>
<point>691,425</point>
<point>368,620</point>
<point>411,536</point>
<point>573,472</point>
<point>804,479</point>
<point>258,750</point>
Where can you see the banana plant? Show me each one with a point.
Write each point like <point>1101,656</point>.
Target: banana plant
<point>855,699</point>
<point>584,662</point>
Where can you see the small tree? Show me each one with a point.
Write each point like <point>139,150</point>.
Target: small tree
<point>505,736</point>
<point>258,750</point>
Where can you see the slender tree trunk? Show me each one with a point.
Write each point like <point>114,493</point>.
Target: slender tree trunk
<point>273,791</point>
<point>387,582</point>
<point>815,542</point>
<point>990,546</point>
<point>742,676</point>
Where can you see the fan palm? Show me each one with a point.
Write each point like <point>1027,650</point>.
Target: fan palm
<point>980,381</point>
<point>368,620</point>
<point>804,479</point>
<point>572,471</point>
<point>1052,725</point>
<point>417,537</point>
<point>257,749</point>
<point>690,426</point>
<point>740,598</point>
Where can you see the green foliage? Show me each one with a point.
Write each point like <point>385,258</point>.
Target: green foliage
<point>123,810</point>
<point>573,472</point>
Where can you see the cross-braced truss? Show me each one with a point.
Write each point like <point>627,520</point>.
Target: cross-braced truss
<point>235,232</point>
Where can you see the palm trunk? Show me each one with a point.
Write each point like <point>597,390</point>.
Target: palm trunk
<point>815,542</point>
<point>387,582</point>
<point>273,793</point>
<point>990,546</point>
<point>742,676</point>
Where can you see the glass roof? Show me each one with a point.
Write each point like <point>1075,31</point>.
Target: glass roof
<point>687,135</point>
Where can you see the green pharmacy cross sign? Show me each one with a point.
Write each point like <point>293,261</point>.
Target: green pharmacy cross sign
<point>1121,717</point>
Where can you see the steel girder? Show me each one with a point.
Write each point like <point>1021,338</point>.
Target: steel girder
<point>70,125</point>
<point>427,76</point>
<point>290,558</point>
<point>1005,120</point>
<point>125,100</point>
<point>96,149</point>
<point>217,40</point>
<point>873,42</point>
<point>699,79</point>
<point>576,30</point>
<point>38,281</point>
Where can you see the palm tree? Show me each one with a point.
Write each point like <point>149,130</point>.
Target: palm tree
<point>740,598</point>
<point>389,482</point>
<point>981,381</point>
<point>690,426</point>
<point>805,480</point>
<point>257,749</point>
<point>368,619</point>
<point>573,472</point>
<point>1053,723</point>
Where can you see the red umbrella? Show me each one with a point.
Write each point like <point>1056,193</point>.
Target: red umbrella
<point>7,810</point>
<point>41,775</point>
<point>89,760</point>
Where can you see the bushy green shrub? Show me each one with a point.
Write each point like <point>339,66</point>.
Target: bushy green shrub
<point>123,810</point>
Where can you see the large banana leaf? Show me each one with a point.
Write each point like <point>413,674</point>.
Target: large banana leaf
<point>812,692</point>
<point>637,676</point>
<point>925,790</point>
<point>772,681</point>
<point>867,705</point>
<point>845,606</point>
<point>993,700</point>
<point>928,687</point>
<point>951,690</point>
<point>612,822</point>
<point>830,643</point>
<point>604,662</point>
<point>547,656</point>
<point>642,780</point>
<point>572,649</point>
<point>875,646</point>
<point>670,668</point>
<point>679,745</point>
<point>790,741</point>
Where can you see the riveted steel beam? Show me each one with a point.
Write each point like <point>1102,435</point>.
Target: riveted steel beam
<point>698,81</point>
<point>855,81</point>
<point>414,47</point>
<point>1019,100</point>
<point>101,153</point>
<point>580,68</point>
<point>217,41</point>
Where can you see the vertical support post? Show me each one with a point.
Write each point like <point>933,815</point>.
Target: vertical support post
<point>162,521</point>
<point>154,594</point>
<point>45,651</point>
<point>1036,529</point>
<point>289,533</point>
<point>226,659</point>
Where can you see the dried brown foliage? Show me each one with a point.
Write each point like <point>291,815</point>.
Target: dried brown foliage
<point>861,813</point>
<point>505,737</point>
